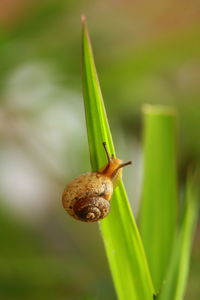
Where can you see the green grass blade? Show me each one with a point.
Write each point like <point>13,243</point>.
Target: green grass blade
<point>121,238</point>
<point>158,212</point>
<point>175,283</point>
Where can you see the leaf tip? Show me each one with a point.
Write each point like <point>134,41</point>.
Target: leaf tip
<point>157,109</point>
<point>83,19</point>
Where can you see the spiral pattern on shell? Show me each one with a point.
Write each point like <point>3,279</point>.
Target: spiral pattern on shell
<point>91,209</point>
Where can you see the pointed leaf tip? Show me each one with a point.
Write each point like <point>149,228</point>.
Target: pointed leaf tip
<point>83,19</point>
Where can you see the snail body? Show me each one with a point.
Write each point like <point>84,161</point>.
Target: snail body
<point>87,197</point>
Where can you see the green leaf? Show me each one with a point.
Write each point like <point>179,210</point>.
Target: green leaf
<point>121,238</point>
<point>158,211</point>
<point>175,283</point>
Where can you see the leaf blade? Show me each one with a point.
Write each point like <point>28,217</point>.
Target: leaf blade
<point>158,211</point>
<point>176,279</point>
<point>119,231</point>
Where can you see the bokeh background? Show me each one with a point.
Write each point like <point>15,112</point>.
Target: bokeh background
<point>145,52</point>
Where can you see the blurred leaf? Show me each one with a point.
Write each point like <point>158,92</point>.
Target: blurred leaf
<point>176,280</point>
<point>158,212</point>
<point>120,234</point>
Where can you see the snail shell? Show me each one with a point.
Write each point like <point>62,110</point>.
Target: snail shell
<point>87,197</point>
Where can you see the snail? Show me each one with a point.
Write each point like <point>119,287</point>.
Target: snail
<point>87,197</point>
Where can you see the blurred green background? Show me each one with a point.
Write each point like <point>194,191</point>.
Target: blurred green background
<point>146,52</point>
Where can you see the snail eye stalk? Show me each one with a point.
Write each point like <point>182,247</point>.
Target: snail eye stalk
<point>121,166</point>
<point>107,153</point>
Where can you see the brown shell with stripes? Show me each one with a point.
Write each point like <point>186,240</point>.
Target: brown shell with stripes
<point>87,197</point>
